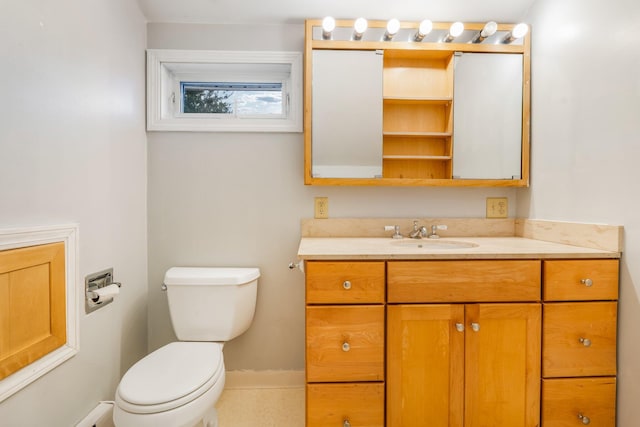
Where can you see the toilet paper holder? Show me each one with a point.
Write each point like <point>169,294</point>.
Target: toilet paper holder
<point>99,289</point>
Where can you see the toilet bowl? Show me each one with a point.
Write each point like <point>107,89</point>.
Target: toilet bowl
<point>179,384</point>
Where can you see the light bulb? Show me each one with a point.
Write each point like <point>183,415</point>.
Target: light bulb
<point>518,31</point>
<point>488,30</point>
<point>359,27</point>
<point>328,25</point>
<point>425,28</point>
<point>455,30</point>
<point>392,29</point>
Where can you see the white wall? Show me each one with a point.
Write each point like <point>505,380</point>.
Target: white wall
<point>237,199</point>
<point>586,144</point>
<point>73,149</point>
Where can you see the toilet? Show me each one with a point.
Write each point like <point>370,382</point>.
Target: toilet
<point>179,384</point>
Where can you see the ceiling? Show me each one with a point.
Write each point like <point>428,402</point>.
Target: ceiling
<point>296,11</point>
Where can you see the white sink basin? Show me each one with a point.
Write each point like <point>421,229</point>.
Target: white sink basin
<point>434,244</point>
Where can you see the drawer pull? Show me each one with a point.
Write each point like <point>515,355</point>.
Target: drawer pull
<point>587,282</point>
<point>459,327</point>
<point>585,420</point>
<point>585,341</point>
<point>475,326</point>
<point>346,346</point>
<point>346,423</point>
<point>346,285</point>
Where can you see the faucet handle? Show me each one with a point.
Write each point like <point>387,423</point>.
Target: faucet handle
<point>396,230</point>
<point>434,230</point>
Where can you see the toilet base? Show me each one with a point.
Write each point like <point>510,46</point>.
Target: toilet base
<point>200,412</point>
<point>210,419</point>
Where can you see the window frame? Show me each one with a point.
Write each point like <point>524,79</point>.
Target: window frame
<point>163,114</point>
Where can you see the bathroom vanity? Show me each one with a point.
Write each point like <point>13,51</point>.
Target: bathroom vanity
<point>513,329</point>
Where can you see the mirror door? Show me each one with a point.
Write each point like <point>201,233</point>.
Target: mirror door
<point>346,114</point>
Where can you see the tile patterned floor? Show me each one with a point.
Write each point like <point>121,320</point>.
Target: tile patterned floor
<point>261,407</point>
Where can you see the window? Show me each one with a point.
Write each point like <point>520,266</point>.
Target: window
<point>236,98</point>
<point>224,91</point>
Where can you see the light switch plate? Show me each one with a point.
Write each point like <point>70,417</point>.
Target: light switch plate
<point>497,207</point>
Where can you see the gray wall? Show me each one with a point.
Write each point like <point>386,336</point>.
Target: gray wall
<point>585,143</point>
<point>73,149</point>
<point>237,199</point>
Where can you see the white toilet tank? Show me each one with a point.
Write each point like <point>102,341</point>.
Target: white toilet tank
<point>211,304</point>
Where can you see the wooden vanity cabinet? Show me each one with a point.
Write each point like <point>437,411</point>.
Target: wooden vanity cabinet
<point>345,342</point>
<point>579,342</point>
<point>461,343</point>
<point>463,363</point>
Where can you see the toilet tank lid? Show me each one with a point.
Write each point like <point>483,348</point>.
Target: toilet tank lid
<point>210,275</point>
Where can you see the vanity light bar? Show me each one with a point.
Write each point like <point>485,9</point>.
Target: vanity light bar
<point>332,31</point>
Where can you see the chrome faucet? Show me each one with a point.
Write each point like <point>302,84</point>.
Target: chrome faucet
<point>418,232</point>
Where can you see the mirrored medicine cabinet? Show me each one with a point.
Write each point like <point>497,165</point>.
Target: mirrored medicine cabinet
<point>402,112</point>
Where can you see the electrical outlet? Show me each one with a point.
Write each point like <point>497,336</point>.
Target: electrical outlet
<point>497,207</point>
<point>321,207</point>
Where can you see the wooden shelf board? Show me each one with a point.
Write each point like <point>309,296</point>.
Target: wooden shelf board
<point>411,157</point>
<point>418,134</point>
<point>417,100</point>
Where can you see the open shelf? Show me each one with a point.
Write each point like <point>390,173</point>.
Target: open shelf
<point>417,115</point>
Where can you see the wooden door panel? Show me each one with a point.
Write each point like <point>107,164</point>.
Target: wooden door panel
<point>425,368</point>
<point>502,365</point>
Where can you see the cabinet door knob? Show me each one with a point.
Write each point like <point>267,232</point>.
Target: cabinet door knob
<point>585,420</point>
<point>585,341</point>
<point>475,326</point>
<point>346,284</point>
<point>346,346</point>
<point>459,327</point>
<point>346,423</point>
<point>586,282</point>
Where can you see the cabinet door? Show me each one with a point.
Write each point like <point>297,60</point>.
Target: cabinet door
<point>346,113</point>
<point>502,365</point>
<point>425,365</point>
<point>488,116</point>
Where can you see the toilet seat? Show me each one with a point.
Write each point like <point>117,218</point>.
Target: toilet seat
<point>170,377</point>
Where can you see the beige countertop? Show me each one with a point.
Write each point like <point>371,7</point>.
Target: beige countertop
<point>385,248</point>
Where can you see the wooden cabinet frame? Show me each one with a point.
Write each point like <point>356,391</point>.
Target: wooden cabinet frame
<point>419,156</point>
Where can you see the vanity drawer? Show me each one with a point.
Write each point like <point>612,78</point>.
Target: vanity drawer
<point>345,282</point>
<point>579,339</point>
<point>360,404</point>
<point>345,343</point>
<point>566,402</point>
<point>580,280</point>
<point>463,281</point>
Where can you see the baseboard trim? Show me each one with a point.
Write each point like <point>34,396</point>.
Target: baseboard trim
<point>264,379</point>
